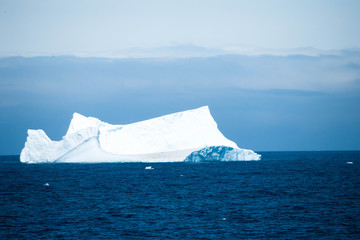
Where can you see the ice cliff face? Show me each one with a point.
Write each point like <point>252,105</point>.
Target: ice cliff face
<point>192,135</point>
<point>220,154</point>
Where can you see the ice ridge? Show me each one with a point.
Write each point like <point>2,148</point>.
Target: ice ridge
<point>190,136</point>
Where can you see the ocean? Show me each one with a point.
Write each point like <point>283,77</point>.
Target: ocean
<point>286,195</point>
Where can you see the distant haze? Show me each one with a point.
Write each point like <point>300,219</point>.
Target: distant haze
<point>39,27</point>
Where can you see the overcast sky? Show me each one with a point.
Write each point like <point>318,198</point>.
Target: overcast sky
<point>260,102</point>
<point>301,95</point>
<point>38,27</point>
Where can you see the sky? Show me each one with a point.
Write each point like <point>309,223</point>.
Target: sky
<point>277,75</point>
<point>38,27</point>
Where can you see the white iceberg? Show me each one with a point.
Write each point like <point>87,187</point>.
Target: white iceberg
<point>184,136</point>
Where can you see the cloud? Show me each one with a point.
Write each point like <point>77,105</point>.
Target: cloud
<point>262,102</point>
<point>88,78</point>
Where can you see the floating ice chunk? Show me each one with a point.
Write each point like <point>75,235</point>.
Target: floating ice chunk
<point>222,153</point>
<point>149,168</point>
<point>46,185</point>
<point>170,138</point>
<point>349,162</point>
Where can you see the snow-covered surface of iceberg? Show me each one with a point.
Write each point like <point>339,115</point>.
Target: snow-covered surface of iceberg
<point>184,136</point>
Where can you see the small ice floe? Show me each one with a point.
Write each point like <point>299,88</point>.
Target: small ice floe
<point>181,175</point>
<point>149,168</point>
<point>46,185</point>
<point>224,219</point>
<point>349,162</point>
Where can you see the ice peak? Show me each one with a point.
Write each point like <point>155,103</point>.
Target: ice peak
<point>78,115</point>
<point>39,134</point>
<point>79,122</point>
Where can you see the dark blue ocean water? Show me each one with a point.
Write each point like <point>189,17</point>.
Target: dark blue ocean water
<point>287,195</point>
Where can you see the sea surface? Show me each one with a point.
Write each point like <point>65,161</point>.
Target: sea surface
<point>286,195</point>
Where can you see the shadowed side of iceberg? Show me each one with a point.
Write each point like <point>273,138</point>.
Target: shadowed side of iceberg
<point>40,149</point>
<point>91,152</point>
<point>222,154</point>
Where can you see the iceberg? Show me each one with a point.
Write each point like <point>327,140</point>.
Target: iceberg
<point>189,136</point>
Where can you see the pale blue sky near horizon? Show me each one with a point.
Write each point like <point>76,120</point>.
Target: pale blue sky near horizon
<point>178,55</point>
<point>37,27</point>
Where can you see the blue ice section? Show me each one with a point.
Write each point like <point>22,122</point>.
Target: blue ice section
<point>217,154</point>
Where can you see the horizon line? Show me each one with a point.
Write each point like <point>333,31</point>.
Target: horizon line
<point>184,51</point>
